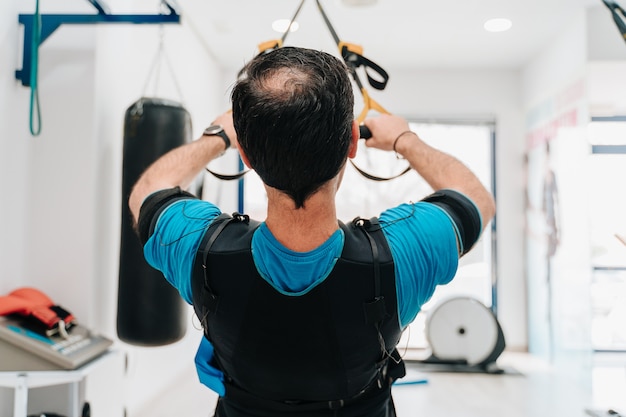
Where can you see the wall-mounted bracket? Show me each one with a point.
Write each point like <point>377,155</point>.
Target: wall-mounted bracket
<point>51,22</point>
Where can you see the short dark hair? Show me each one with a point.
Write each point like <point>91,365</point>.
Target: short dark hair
<point>293,110</point>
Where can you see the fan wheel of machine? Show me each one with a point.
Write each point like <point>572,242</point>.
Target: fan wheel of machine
<point>464,329</point>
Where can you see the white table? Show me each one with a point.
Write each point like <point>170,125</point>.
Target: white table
<point>22,381</point>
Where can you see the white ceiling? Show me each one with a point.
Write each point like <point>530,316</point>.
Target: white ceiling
<point>393,33</point>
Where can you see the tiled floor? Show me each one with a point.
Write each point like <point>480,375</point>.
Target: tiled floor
<point>537,390</point>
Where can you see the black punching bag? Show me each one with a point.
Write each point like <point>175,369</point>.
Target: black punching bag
<point>150,312</point>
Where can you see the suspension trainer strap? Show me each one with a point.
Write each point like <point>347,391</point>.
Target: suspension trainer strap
<point>374,177</point>
<point>353,58</point>
<point>356,60</point>
<point>226,177</point>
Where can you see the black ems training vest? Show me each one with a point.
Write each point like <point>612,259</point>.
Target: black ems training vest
<point>327,349</point>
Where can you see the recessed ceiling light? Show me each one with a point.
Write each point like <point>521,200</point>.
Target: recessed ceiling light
<point>281,25</point>
<point>498,25</point>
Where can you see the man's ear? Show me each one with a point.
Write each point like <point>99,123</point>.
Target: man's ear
<point>243,156</point>
<point>355,139</point>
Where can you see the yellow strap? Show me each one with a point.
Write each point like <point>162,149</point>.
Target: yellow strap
<point>357,49</point>
<point>275,43</point>
<point>368,105</point>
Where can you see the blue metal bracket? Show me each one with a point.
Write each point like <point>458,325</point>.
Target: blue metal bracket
<point>51,22</point>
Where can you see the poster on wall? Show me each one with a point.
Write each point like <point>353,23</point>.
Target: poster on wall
<point>557,233</point>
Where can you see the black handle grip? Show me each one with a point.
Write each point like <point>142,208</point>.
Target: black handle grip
<point>364,132</point>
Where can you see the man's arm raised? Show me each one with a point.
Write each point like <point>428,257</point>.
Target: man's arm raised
<point>180,166</point>
<point>439,169</point>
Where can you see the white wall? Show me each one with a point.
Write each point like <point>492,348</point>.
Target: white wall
<point>14,160</point>
<point>62,190</point>
<point>558,63</point>
<point>42,175</point>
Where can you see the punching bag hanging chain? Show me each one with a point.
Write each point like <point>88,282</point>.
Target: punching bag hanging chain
<point>159,57</point>
<point>174,79</point>
<point>161,54</point>
<point>156,62</point>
